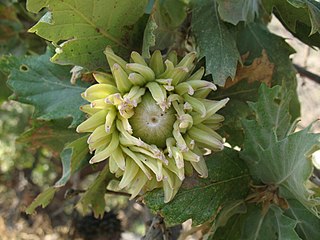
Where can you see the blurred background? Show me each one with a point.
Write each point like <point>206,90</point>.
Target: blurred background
<point>26,170</point>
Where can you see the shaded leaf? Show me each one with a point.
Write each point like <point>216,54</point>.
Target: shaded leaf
<point>260,70</point>
<point>202,199</point>
<point>5,92</point>
<point>301,18</point>
<point>215,41</point>
<point>94,196</point>
<point>73,157</point>
<point>10,27</point>
<point>52,135</point>
<point>308,224</point>
<point>43,199</point>
<point>36,81</point>
<point>255,225</point>
<point>230,210</point>
<point>253,39</point>
<point>272,118</point>
<point>86,27</point>
<point>272,155</point>
<point>314,13</point>
<point>149,38</point>
<point>162,27</point>
<point>234,11</point>
<point>173,12</point>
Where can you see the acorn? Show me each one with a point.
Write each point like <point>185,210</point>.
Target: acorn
<point>151,119</point>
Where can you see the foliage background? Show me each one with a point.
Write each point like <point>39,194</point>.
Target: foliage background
<point>33,164</point>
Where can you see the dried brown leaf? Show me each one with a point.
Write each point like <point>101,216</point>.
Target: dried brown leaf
<point>260,70</point>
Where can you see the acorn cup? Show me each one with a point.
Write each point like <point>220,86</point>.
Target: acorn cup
<point>152,120</point>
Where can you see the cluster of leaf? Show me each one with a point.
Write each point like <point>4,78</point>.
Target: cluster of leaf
<point>15,157</point>
<point>259,192</point>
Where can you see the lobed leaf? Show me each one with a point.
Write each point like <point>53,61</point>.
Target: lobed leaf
<point>301,18</point>
<point>308,224</point>
<point>162,27</point>
<point>87,27</point>
<point>94,196</point>
<point>36,81</point>
<point>234,11</point>
<point>215,41</point>
<point>43,199</point>
<point>149,38</point>
<point>254,40</point>
<point>73,157</point>
<point>202,199</point>
<point>255,225</point>
<point>273,155</point>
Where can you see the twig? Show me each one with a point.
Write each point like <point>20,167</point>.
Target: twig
<point>70,193</point>
<point>305,73</point>
<point>157,230</point>
<point>118,193</point>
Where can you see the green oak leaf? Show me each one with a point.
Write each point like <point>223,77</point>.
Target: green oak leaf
<point>230,210</point>
<point>215,41</point>
<point>164,20</point>
<point>236,109</point>
<point>202,199</point>
<point>94,196</point>
<point>234,11</point>
<point>311,9</point>
<point>73,157</point>
<point>255,225</point>
<point>149,38</point>
<point>173,12</point>
<point>314,13</point>
<point>300,17</point>
<point>253,38</point>
<point>87,27</point>
<point>272,115</point>
<point>308,224</point>
<point>36,81</point>
<point>273,155</point>
<point>43,199</point>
